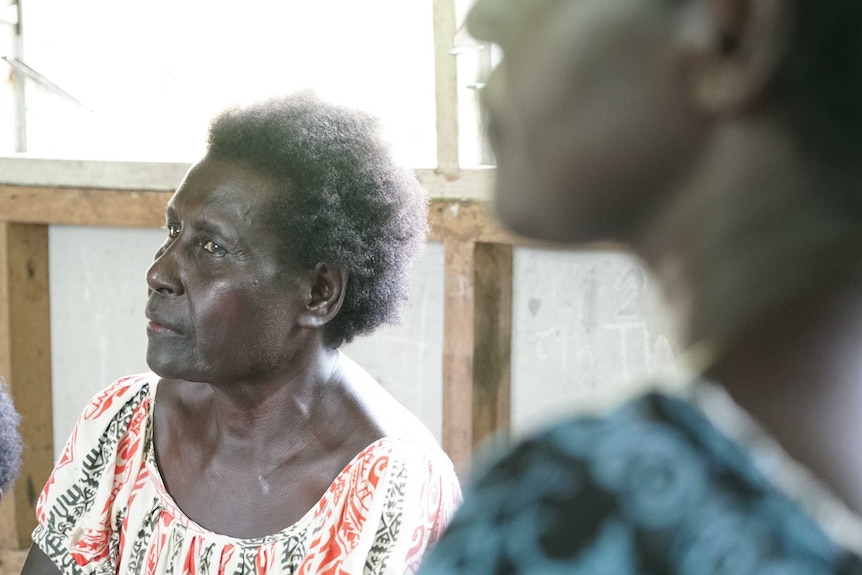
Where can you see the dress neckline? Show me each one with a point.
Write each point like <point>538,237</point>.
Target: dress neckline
<point>168,503</point>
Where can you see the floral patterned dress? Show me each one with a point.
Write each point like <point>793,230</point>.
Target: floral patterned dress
<point>105,509</point>
<point>664,485</point>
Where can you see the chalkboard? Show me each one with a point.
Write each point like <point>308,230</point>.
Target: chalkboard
<point>588,327</point>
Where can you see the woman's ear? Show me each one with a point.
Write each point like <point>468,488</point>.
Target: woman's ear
<point>732,50</point>
<point>327,287</point>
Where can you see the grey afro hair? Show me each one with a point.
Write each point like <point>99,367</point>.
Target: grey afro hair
<point>343,200</point>
<point>10,439</point>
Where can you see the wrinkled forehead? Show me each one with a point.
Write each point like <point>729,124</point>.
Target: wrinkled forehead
<point>224,184</point>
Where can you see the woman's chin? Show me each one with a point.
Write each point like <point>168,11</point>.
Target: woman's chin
<point>164,367</point>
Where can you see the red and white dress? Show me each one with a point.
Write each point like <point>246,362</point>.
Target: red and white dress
<point>105,509</point>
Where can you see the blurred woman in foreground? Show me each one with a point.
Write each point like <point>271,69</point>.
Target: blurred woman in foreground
<point>721,141</point>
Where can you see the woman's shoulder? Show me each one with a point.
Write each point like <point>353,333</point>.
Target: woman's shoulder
<point>119,410</point>
<point>128,391</point>
<point>404,473</point>
<point>395,452</point>
<point>380,412</point>
<point>653,479</point>
<point>650,459</point>
<point>405,453</point>
<point>656,429</point>
<point>103,451</point>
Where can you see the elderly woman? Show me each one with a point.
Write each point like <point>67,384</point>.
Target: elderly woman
<point>255,446</point>
<point>721,141</point>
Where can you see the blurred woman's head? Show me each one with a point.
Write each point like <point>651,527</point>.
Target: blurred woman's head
<point>601,109</point>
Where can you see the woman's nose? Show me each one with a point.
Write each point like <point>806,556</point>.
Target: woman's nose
<point>487,18</point>
<point>163,275</point>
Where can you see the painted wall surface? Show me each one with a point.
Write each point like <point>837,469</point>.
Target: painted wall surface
<point>587,326</point>
<point>98,328</point>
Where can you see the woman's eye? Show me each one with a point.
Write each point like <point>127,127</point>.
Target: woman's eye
<point>173,230</point>
<point>212,247</point>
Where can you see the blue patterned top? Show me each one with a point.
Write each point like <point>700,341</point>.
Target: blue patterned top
<point>653,488</point>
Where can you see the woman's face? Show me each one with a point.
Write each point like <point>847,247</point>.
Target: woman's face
<point>585,112</point>
<point>222,306</point>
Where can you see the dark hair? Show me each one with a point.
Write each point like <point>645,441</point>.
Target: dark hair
<point>10,439</point>
<point>343,201</point>
<point>820,79</point>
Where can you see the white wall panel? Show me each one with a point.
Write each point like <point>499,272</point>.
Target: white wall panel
<point>588,327</point>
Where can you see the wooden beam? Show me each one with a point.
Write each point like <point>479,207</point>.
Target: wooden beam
<point>458,344</point>
<point>25,361</point>
<point>466,184</point>
<point>467,221</point>
<point>492,346</point>
<point>476,344</point>
<point>472,221</point>
<point>446,87</point>
<point>83,206</point>
<point>102,174</point>
<point>475,185</point>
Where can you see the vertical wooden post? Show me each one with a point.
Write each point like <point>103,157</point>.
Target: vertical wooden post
<point>446,87</point>
<point>477,344</point>
<point>492,320</point>
<point>458,344</point>
<point>25,362</point>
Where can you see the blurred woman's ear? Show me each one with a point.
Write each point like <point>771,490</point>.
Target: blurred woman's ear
<point>732,49</point>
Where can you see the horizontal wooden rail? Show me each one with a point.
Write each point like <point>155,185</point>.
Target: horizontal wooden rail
<point>463,220</point>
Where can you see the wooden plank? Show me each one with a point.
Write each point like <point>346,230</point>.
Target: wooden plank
<point>19,80</point>
<point>492,345</point>
<point>102,174</point>
<point>25,361</point>
<point>446,87</point>
<point>470,184</point>
<point>476,184</point>
<point>476,344</point>
<point>458,343</point>
<point>82,206</point>
<point>471,221</point>
<point>468,221</point>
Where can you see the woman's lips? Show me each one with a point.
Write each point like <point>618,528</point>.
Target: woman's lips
<point>160,328</point>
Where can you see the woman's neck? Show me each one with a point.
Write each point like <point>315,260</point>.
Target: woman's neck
<point>253,413</point>
<point>746,234</point>
<point>761,277</point>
